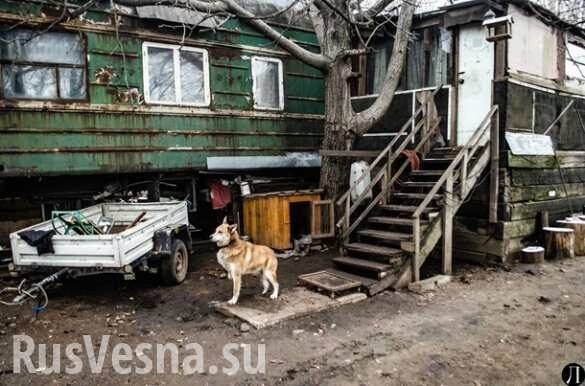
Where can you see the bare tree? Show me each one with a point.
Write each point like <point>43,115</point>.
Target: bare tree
<point>336,24</point>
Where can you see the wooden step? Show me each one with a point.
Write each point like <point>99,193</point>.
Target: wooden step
<point>427,173</point>
<point>417,184</point>
<point>446,148</point>
<point>362,264</point>
<point>372,249</point>
<point>394,221</point>
<point>407,208</point>
<point>384,235</point>
<point>414,196</point>
<point>438,160</point>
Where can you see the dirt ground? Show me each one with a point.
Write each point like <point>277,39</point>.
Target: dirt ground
<point>489,326</point>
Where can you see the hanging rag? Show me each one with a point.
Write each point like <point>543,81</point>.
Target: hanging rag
<point>43,240</point>
<point>221,195</point>
<point>413,158</point>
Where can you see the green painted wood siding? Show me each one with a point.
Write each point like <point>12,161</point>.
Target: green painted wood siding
<point>109,134</point>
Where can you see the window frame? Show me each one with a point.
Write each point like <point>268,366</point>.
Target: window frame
<point>176,48</point>
<point>54,66</point>
<point>280,82</point>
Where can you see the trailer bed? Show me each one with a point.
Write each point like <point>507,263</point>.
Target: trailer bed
<point>108,251</point>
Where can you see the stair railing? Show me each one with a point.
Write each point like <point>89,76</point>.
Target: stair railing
<point>384,177</point>
<point>457,172</point>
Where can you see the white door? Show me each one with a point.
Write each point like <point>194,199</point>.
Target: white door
<point>476,69</point>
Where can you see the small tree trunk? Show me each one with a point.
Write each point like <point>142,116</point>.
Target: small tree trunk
<point>559,243</point>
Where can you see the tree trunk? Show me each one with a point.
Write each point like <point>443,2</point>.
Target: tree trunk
<point>335,170</point>
<point>334,177</point>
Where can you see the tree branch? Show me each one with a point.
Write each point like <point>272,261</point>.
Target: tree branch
<point>200,5</point>
<point>222,6</point>
<point>364,120</point>
<point>373,10</point>
<point>314,59</point>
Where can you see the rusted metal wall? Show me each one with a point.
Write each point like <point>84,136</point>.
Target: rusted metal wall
<point>112,133</point>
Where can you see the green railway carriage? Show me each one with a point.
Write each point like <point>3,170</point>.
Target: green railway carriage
<point>88,97</point>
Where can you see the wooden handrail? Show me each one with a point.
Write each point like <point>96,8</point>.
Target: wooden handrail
<point>388,148</point>
<point>374,202</point>
<point>381,172</point>
<point>472,143</point>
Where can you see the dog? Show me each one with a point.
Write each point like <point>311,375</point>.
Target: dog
<point>240,257</point>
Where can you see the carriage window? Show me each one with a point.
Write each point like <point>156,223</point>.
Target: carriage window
<point>267,80</point>
<point>175,75</point>
<point>49,65</point>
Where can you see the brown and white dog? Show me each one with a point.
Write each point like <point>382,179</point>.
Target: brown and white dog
<point>240,257</point>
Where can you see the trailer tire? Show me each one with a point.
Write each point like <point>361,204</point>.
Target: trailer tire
<point>175,266</point>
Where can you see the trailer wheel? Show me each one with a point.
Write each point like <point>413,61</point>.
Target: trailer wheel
<point>174,267</point>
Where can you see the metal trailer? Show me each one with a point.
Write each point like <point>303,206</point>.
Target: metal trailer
<point>161,242</point>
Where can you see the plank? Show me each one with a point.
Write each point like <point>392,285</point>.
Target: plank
<point>522,177</point>
<point>294,303</point>
<point>427,173</point>
<point>393,221</point>
<point>406,208</point>
<point>329,281</point>
<point>366,281</point>
<point>566,159</point>
<point>486,244</point>
<point>373,249</point>
<point>363,264</point>
<point>414,196</point>
<point>384,235</point>
<point>513,194</point>
<point>531,209</point>
<point>417,184</point>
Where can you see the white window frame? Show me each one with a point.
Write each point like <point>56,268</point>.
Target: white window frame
<point>280,82</point>
<point>177,72</point>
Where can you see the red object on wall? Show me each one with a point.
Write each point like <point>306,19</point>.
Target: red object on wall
<point>221,195</point>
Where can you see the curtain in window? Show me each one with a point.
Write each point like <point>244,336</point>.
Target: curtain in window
<point>45,55</point>
<point>48,47</point>
<point>161,75</point>
<point>440,51</point>
<point>380,58</point>
<point>192,77</point>
<point>416,63</point>
<point>29,82</point>
<point>266,87</point>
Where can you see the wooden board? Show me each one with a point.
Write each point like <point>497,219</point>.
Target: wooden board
<point>521,177</point>
<point>532,209</point>
<point>566,159</point>
<point>329,281</point>
<point>514,194</point>
<point>262,312</point>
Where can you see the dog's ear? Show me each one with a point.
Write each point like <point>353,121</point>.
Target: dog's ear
<point>233,228</point>
<point>224,220</point>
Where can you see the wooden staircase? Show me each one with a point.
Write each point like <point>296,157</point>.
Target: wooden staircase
<point>384,241</point>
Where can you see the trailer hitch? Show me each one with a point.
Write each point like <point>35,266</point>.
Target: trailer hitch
<point>35,291</point>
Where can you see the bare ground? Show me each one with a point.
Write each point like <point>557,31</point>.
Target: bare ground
<point>490,326</point>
